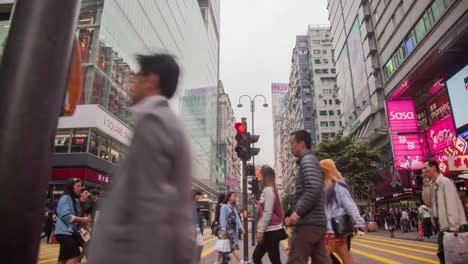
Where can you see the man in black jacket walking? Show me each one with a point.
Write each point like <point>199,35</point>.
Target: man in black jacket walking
<point>308,218</point>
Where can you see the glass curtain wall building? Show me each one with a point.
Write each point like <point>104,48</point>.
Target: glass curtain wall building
<point>112,32</point>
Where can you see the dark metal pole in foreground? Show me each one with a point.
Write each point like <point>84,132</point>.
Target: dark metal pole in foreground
<point>33,80</point>
<point>245,202</point>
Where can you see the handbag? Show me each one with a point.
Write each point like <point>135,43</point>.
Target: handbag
<point>342,225</point>
<point>223,246</point>
<point>81,235</point>
<point>455,247</point>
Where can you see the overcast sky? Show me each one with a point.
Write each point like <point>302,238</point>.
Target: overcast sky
<point>257,39</point>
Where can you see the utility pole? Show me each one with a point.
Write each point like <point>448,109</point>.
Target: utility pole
<point>246,214</point>
<point>34,73</point>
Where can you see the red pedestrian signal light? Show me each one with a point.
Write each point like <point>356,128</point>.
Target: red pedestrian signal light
<point>240,128</point>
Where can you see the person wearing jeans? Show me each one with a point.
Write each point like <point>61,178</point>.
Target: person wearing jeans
<point>270,230</point>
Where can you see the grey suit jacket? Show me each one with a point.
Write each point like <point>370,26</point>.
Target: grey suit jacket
<point>147,216</point>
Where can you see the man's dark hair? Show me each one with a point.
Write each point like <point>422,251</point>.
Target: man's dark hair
<point>196,192</point>
<point>165,67</point>
<point>267,171</point>
<point>95,192</point>
<point>302,135</point>
<point>432,162</point>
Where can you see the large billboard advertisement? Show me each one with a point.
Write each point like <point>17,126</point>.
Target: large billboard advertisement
<point>457,87</point>
<point>402,116</point>
<point>408,151</point>
<point>441,135</point>
<point>358,69</point>
<point>439,107</point>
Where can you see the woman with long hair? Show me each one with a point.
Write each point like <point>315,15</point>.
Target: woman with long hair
<point>270,229</point>
<point>68,220</point>
<point>230,225</point>
<point>338,201</point>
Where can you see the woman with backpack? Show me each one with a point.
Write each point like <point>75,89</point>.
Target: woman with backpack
<point>68,220</point>
<point>339,204</point>
<point>270,230</point>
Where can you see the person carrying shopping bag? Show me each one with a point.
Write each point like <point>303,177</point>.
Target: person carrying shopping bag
<point>230,226</point>
<point>341,211</point>
<point>270,230</point>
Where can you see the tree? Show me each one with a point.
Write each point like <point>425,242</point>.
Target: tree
<point>287,200</point>
<point>354,159</point>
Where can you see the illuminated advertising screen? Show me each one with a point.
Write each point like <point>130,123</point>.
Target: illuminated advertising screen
<point>457,87</point>
<point>402,116</point>
<point>441,135</point>
<point>408,151</point>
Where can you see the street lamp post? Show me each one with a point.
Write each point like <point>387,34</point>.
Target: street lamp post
<point>252,110</point>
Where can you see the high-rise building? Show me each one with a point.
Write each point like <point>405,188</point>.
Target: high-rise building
<point>278,92</point>
<point>324,92</point>
<point>229,162</point>
<point>312,102</point>
<point>111,33</point>
<point>409,56</point>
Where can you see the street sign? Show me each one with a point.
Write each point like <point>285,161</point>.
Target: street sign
<point>461,145</point>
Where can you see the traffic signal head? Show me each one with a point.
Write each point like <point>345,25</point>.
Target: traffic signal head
<point>242,148</point>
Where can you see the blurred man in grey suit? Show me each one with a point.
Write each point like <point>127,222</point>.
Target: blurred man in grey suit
<point>147,217</point>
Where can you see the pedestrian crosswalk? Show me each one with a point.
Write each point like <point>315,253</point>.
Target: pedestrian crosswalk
<point>369,248</point>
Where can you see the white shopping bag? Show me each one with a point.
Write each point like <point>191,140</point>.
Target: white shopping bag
<point>456,248</point>
<point>223,245</point>
<point>199,239</point>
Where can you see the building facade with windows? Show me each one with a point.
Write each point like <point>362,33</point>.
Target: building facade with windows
<point>324,90</point>
<point>230,170</point>
<point>112,32</point>
<point>311,102</point>
<point>409,58</point>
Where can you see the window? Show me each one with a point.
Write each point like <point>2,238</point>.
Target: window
<point>341,123</point>
<point>410,42</point>
<point>316,42</point>
<point>325,102</point>
<point>333,70</point>
<point>323,113</point>
<point>62,141</point>
<point>330,102</point>
<point>420,30</point>
<point>428,19</point>
<point>388,68</point>
<point>302,44</point>
<point>326,91</point>
<point>337,101</point>
<point>332,134</point>
<point>308,119</point>
<point>331,112</point>
<point>338,112</point>
<point>324,51</point>
<point>93,143</point>
<point>332,123</point>
<point>333,61</point>
<point>318,71</point>
<point>317,61</point>
<point>80,140</point>
<point>438,7</point>
<point>325,61</point>
<point>324,135</point>
<point>325,71</point>
<point>324,124</point>
<point>400,55</point>
<point>316,51</point>
<point>309,109</point>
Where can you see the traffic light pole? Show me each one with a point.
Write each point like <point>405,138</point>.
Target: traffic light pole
<point>254,213</point>
<point>33,80</point>
<point>246,215</point>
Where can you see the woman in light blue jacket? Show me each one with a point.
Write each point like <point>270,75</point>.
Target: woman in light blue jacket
<point>230,224</point>
<point>68,220</point>
<point>338,201</point>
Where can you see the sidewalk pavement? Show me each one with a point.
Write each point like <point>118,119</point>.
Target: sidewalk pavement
<point>407,236</point>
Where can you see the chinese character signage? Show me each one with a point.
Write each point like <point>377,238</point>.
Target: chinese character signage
<point>441,135</point>
<point>279,88</point>
<point>439,108</point>
<point>421,114</point>
<point>402,116</point>
<point>408,151</point>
